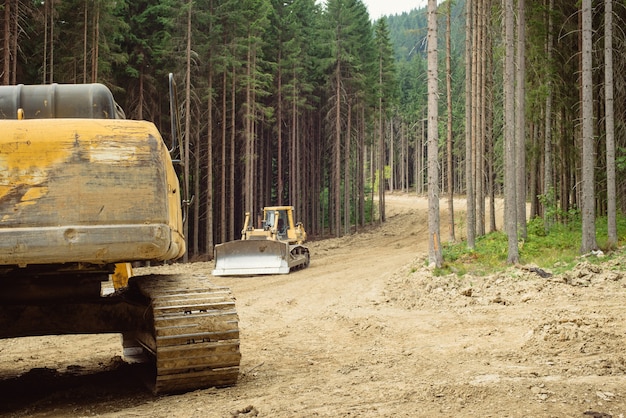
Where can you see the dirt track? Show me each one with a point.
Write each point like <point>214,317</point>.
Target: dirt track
<point>366,331</point>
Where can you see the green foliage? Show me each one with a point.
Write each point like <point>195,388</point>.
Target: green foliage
<point>555,250</point>
<point>620,160</point>
<point>370,209</point>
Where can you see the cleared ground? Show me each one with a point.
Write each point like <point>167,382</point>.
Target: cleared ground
<point>367,331</point>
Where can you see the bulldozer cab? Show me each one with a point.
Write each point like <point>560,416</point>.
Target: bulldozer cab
<point>278,219</point>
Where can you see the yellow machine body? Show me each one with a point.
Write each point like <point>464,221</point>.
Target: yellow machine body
<point>276,247</point>
<point>86,190</point>
<point>83,194</point>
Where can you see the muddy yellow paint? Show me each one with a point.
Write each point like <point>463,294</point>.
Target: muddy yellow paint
<point>32,149</point>
<point>33,194</point>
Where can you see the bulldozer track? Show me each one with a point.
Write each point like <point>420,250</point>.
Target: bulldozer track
<point>194,338</point>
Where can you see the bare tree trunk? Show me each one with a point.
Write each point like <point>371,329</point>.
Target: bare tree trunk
<point>479,137</point>
<point>96,44</point>
<point>488,145</point>
<point>85,42</point>
<point>48,43</point>
<point>435,256</point>
<point>141,95</point>
<point>520,113</point>
<point>187,132</point>
<point>293,140</point>
<point>6,56</point>
<point>610,123</point>
<point>248,177</point>
<point>588,158</point>
<point>380,159</point>
<point>402,155</point>
<point>391,157</point>
<point>336,210</point>
<point>233,138</point>
<point>209,204</point>
<point>196,190</point>
<point>362,152</point>
<point>534,171</point>
<point>548,184</point>
<point>224,172</point>
<point>510,172</point>
<point>51,28</point>
<point>279,134</point>
<point>451,236</point>
<point>469,178</point>
<point>346,173</point>
<point>14,38</point>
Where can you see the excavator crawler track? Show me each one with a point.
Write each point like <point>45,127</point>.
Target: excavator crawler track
<point>192,332</point>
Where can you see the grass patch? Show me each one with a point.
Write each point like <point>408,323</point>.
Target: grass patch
<point>556,249</point>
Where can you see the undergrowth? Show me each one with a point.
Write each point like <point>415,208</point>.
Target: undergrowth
<point>556,249</point>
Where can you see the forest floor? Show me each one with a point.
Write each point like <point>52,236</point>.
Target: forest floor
<point>368,331</point>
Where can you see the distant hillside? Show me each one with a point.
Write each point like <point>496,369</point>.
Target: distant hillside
<point>408,30</point>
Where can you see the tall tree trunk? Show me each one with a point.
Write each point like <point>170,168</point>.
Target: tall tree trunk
<point>520,122</point>
<point>209,203</point>
<point>381,159</point>
<point>362,152</point>
<point>510,172</point>
<point>14,42</point>
<point>96,44</point>
<point>588,158</point>
<point>336,211</point>
<point>6,52</point>
<point>548,182</point>
<point>479,115</point>
<point>51,36</point>
<point>391,157</point>
<point>610,123</point>
<point>46,19</point>
<point>196,189</point>
<point>488,146</point>
<point>248,177</point>
<point>435,256</point>
<point>451,236</point>
<point>469,178</point>
<point>279,134</point>
<point>187,133</point>
<point>48,43</point>
<point>346,172</point>
<point>224,226</point>
<point>293,188</point>
<point>233,147</point>
<point>85,42</point>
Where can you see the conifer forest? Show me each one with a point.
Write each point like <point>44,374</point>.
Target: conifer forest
<point>319,106</point>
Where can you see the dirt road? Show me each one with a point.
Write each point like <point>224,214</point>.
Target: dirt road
<point>366,331</point>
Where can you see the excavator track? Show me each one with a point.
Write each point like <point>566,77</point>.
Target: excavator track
<point>190,333</point>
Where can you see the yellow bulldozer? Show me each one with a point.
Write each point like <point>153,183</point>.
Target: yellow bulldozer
<point>83,193</point>
<point>274,248</point>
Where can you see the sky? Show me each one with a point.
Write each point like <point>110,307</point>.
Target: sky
<point>378,8</point>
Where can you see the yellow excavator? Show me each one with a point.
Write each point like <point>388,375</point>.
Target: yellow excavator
<point>83,193</point>
<point>274,248</point>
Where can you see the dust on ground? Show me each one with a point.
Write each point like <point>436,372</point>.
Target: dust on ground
<point>368,331</point>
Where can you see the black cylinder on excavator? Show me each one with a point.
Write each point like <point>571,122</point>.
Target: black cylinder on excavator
<point>91,101</point>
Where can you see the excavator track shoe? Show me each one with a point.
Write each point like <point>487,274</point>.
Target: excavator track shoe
<point>194,338</point>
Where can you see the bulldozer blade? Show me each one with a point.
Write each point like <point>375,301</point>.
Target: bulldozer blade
<point>251,257</point>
